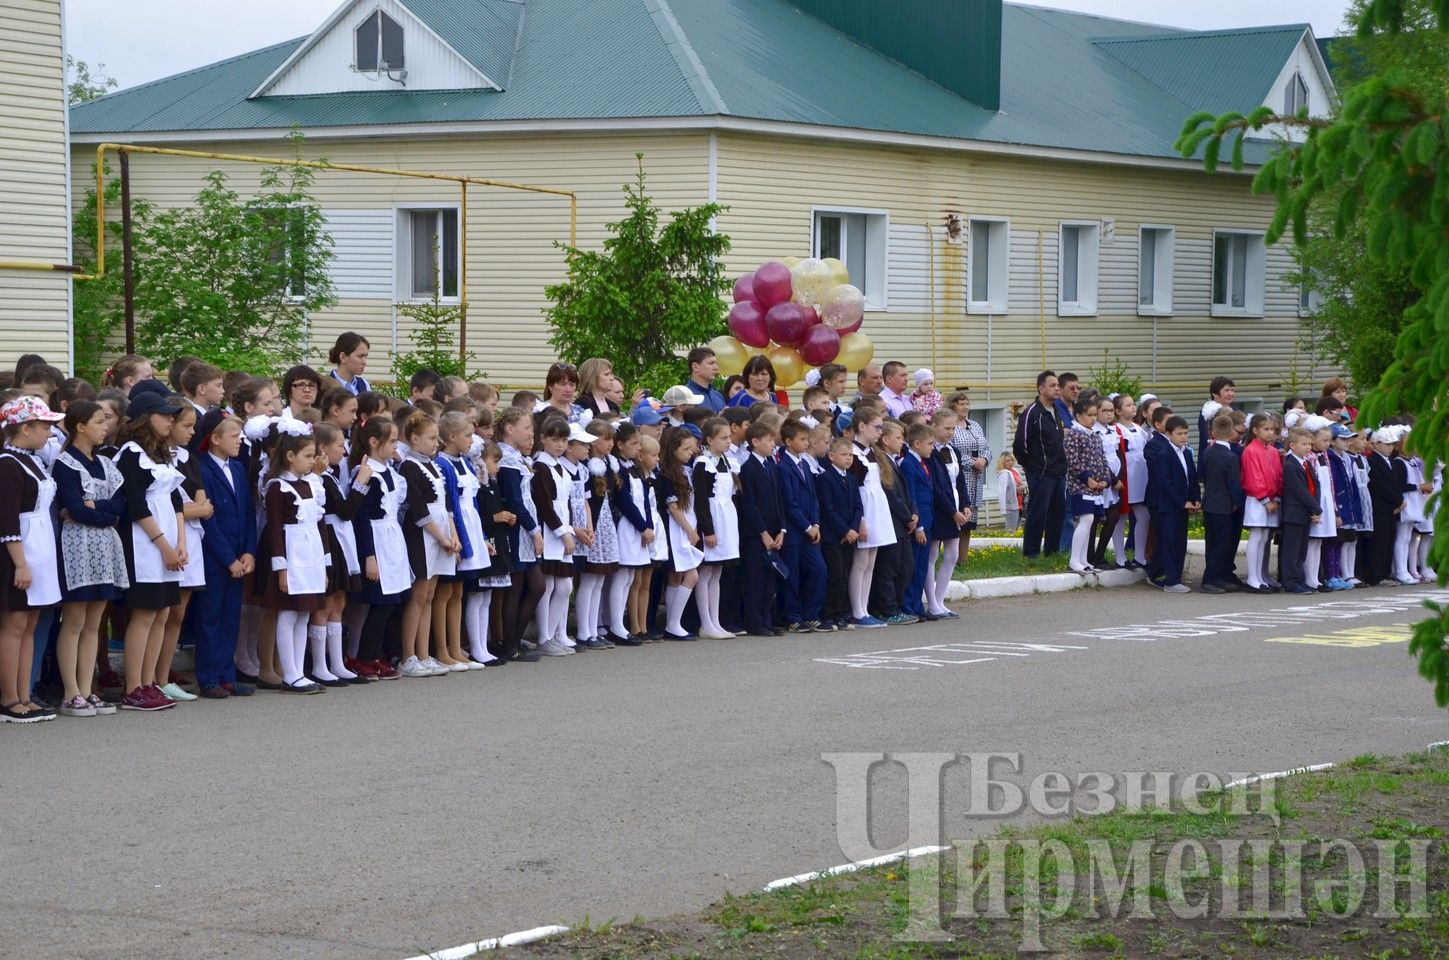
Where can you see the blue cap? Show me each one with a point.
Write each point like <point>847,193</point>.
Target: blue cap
<point>149,401</point>
<point>148,386</point>
<point>646,413</point>
<point>844,421</point>
<point>1340,432</point>
<point>692,430</point>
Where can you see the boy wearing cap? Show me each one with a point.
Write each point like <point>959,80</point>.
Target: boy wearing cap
<point>648,416</point>
<point>1386,496</point>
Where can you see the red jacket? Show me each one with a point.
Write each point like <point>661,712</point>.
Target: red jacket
<point>1262,470</point>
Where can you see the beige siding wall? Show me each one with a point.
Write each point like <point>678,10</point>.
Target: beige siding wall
<point>771,185</point>
<point>34,211</point>
<point>510,233</point>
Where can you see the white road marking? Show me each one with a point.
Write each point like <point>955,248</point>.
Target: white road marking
<point>852,867</point>
<point>1438,745</point>
<point>508,940</point>
<point>958,654</point>
<point>1277,775</point>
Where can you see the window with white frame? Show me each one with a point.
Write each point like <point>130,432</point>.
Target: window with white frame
<point>1154,271</point>
<point>1295,97</point>
<point>858,239</point>
<point>1077,269</point>
<point>1309,299</point>
<point>987,265</point>
<point>283,230</point>
<point>429,254</point>
<point>379,43</point>
<point>1239,258</point>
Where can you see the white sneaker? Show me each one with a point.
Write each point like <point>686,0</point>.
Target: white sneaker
<point>473,665</point>
<point>413,667</point>
<point>553,649</point>
<point>434,667</point>
<point>1178,588</point>
<point>458,667</point>
<point>176,693</point>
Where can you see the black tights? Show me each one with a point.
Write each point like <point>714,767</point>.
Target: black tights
<point>513,610</point>
<point>374,629</point>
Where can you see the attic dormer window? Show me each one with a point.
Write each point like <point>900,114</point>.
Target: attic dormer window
<point>1296,97</point>
<point>379,43</point>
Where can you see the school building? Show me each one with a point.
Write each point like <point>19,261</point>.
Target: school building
<point>1000,179</point>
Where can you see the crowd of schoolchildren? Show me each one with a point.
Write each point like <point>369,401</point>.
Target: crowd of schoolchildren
<point>1346,506</point>
<point>314,533</point>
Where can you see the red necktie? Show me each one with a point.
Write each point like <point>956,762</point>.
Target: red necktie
<point>1312,482</point>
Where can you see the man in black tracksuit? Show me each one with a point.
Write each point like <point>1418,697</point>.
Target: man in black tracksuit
<point>1038,448</point>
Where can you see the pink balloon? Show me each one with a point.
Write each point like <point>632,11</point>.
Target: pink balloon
<point>851,328</point>
<point>745,288</point>
<point>747,324</point>
<point>820,345</point>
<point>772,284</point>
<point>785,323</point>
<point>811,318</point>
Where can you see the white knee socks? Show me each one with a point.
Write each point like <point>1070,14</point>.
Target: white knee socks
<point>335,664</point>
<point>1081,534</point>
<point>619,584</point>
<point>950,555</point>
<point>675,600</point>
<point>862,571</point>
<point>475,622</point>
<point>317,640</point>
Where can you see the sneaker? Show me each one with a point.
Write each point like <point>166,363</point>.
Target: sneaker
<point>795,626</point>
<point>102,708</point>
<point>553,648</point>
<point>1177,588</point>
<point>157,694</point>
<point>176,693</point>
<point>11,715</point>
<point>867,622</point>
<point>457,666</point>
<point>141,699</point>
<point>822,626</point>
<point>77,706</point>
<point>900,619</point>
<point>438,669</point>
<point>383,670</point>
<point>845,624</point>
<point>413,667</point>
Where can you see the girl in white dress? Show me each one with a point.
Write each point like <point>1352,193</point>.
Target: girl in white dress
<point>195,508</point>
<point>602,563</point>
<point>552,486</point>
<point>635,526</point>
<point>1131,442</point>
<point>677,499</point>
<point>1415,488</point>
<point>1326,529</point>
<point>455,611</point>
<point>876,527</point>
<point>713,479</point>
<point>433,544</point>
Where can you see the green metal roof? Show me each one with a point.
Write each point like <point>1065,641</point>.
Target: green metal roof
<point>1068,80</point>
<point>1216,70</point>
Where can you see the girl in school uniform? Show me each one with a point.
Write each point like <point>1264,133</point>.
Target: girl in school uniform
<point>154,543</point>
<point>1425,528</point>
<point>499,576</point>
<point>92,562</point>
<point>1349,508</point>
<point>1325,531</point>
<point>1088,478</point>
<point>602,562</point>
<point>294,558</point>
<point>340,502</point>
<point>29,568</point>
<point>432,543</point>
<point>576,470</point>
<point>951,478</point>
<point>1409,470</point>
<point>515,608</point>
<point>462,615</point>
<point>677,500</point>
<point>381,548</point>
<point>1101,536</point>
<point>629,588</point>
<point>1262,478</point>
<point>551,486</point>
<point>713,480</point>
<point>1359,472</point>
<point>1131,446</point>
<point>195,507</point>
<point>877,529</point>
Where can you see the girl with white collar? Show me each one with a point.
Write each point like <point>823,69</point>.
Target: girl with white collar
<point>1131,441</point>
<point>551,486</point>
<point>381,549</point>
<point>293,551</point>
<point>432,543</point>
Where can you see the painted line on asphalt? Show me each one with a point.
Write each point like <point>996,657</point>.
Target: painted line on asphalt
<point>1438,745</point>
<point>853,866</point>
<point>1277,774</point>
<point>507,940</point>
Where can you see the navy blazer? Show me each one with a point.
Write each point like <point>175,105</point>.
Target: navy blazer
<point>760,506</point>
<point>1299,506</point>
<point>1222,480</point>
<point>1169,489</point>
<point>840,506</point>
<point>1385,491</point>
<point>797,497</point>
<point>231,530</point>
<point>1157,443</point>
<point>945,502</point>
<point>922,489</point>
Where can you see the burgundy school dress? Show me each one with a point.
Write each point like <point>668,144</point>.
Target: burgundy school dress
<point>340,506</point>
<point>293,529</point>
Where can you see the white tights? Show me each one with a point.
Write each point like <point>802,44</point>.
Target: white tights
<point>1348,559</point>
<point>1081,542</point>
<point>1426,543</point>
<point>1260,539</point>
<point>559,618</point>
<point>1139,537</point>
<point>939,580</point>
<point>1403,538</point>
<point>475,623</point>
<point>619,584</point>
<point>862,571</point>
<point>586,610</point>
<point>291,643</point>
<point>706,598</point>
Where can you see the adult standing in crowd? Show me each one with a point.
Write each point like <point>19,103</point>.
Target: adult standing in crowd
<point>560,387</point>
<point>974,453</point>
<point>348,357</point>
<point>596,380</point>
<point>897,401</point>
<point>868,382</point>
<point>1038,449</point>
<point>703,368</point>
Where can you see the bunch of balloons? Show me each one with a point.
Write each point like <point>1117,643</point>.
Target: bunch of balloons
<point>799,314</point>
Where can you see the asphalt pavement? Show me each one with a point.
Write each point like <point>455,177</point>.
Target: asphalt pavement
<point>385,821</point>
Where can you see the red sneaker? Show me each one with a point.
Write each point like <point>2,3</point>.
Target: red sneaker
<point>143,698</point>
<point>384,670</point>
<point>366,671</point>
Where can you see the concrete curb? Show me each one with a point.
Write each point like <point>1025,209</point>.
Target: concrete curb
<point>1195,548</point>
<point>1041,583</point>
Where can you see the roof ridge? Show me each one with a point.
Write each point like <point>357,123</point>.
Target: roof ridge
<point>1193,34</point>
<point>675,39</point>
<point>185,73</point>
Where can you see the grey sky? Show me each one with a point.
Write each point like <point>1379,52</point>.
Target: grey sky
<point>141,40</point>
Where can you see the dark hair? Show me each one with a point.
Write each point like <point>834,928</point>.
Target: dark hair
<point>334,398</point>
<point>1160,414</point>
<point>1041,378</point>
<point>42,372</point>
<point>1261,418</point>
<point>155,446</point>
<point>369,403</point>
<point>791,429</point>
<point>696,415</point>
<point>754,365</point>
<point>26,361</point>
<point>830,371</point>
<point>246,394</point>
<point>559,373</point>
<point>552,427</point>
<point>623,432</point>
<point>1290,402</point>
<point>730,382</point>
<point>1223,426</point>
<point>1326,403</point>
<point>918,432</point>
<point>196,374</point>
<point>698,355</point>
<point>301,373</point>
<point>1085,403</point>
<point>178,369</point>
<point>326,434</point>
<point>524,400</point>
<point>735,416</point>
<point>346,343</point>
<point>233,379</point>
<point>79,412</point>
<point>712,424</point>
<point>813,392</point>
<point>911,418</point>
<point>429,406</point>
<point>1174,423</point>
<point>757,430</point>
<point>460,405</point>
<point>443,389</point>
<point>287,444</point>
<point>423,379</point>
<point>69,391</point>
<point>125,366</point>
<point>670,467</point>
<point>1065,378</point>
<point>1218,383</point>
<point>377,428</point>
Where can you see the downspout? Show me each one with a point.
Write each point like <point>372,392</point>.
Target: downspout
<point>931,248</point>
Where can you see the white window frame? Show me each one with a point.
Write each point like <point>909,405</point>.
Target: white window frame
<point>288,295</point>
<point>998,265</point>
<point>403,214</point>
<point>356,29</point>
<point>876,282</point>
<point>1291,100</point>
<point>1255,271</point>
<point>1088,256</point>
<point>1162,267</point>
<point>1309,299</point>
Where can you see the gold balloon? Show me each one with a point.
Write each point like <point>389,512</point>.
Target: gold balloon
<point>856,351</point>
<point>731,354</point>
<point>838,272</point>
<point>791,262</point>
<point>810,280</point>
<point>789,368</point>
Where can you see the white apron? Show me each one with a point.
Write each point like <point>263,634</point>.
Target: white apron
<point>633,551</point>
<point>468,487</point>
<point>305,553</point>
<point>1426,525</point>
<point>722,512</point>
<point>165,480</point>
<point>553,545</point>
<point>1136,472</point>
<point>436,560</point>
<point>1255,514</point>
<point>659,549</point>
<point>1413,511</point>
<point>877,510</point>
<point>1113,453</point>
<point>395,575</point>
<point>193,575</point>
<point>683,555</point>
<point>342,530</point>
<point>1326,526</point>
<point>37,539</point>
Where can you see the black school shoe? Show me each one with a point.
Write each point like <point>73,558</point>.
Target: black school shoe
<point>632,640</point>
<point>527,656</point>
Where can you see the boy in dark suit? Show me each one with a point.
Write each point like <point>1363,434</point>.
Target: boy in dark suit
<point>229,550</point>
<point>915,468</point>
<point>894,564</point>
<point>762,528</point>
<point>802,593</point>
<point>838,492</point>
<point>1386,497</point>
<point>1222,499</point>
<point>1299,510</point>
<point>1172,493</point>
<point>1157,444</point>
